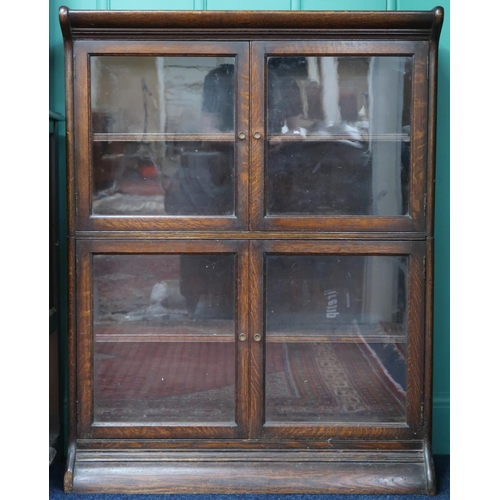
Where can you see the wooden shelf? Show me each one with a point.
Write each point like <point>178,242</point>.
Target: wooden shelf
<point>173,331</point>
<point>224,331</point>
<point>379,334</point>
<point>151,137</point>
<point>340,137</point>
<point>335,338</point>
<point>230,137</point>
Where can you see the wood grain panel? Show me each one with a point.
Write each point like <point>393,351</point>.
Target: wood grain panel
<point>282,24</point>
<point>256,348</point>
<point>87,427</point>
<point>281,473</point>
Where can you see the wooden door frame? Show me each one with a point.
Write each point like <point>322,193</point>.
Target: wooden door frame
<point>415,221</point>
<point>85,220</point>
<point>413,428</point>
<point>86,427</point>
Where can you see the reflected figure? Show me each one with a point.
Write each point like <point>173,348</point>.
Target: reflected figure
<point>218,99</point>
<point>204,185</point>
<point>204,182</point>
<point>285,104</point>
<point>210,277</point>
<point>326,173</point>
<point>163,141</point>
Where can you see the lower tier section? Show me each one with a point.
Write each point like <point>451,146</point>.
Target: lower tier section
<point>284,472</point>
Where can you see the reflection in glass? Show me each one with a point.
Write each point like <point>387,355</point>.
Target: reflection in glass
<point>338,135</point>
<point>163,135</point>
<point>167,178</point>
<point>157,95</point>
<point>336,335</point>
<point>164,329</point>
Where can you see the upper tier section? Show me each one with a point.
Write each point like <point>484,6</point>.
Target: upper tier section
<point>252,121</point>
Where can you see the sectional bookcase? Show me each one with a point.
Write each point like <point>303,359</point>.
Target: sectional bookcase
<point>251,201</point>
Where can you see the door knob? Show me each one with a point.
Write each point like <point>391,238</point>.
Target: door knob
<point>242,337</point>
<point>242,135</point>
<point>257,337</point>
<point>256,135</point>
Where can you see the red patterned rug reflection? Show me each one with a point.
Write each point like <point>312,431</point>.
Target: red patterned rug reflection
<point>195,382</point>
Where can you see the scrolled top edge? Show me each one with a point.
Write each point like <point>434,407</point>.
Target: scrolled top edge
<point>64,21</point>
<point>438,22</point>
<point>418,21</point>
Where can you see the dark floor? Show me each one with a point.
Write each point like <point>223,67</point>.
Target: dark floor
<point>442,464</point>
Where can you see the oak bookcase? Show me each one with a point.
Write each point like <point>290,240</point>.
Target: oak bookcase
<point>250,250</point>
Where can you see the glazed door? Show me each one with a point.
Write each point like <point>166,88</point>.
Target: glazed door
<point>336,342</point>
<point>165,127</point>
<point>334,142</point>
<point>163,357</point>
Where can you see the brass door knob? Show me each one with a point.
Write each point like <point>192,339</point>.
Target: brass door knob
<point>242,337</point>
<point>257,337</point>
<point>242,135</point>
<point>256,135</point>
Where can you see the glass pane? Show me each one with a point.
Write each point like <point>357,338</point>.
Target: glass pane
<point>338,135</point>
<point>164,330</point>
<point>163,135</point>
<point>336,335</point>
<point>163,178</point>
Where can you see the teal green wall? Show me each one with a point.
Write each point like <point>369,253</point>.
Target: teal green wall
<point>441,398</point>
